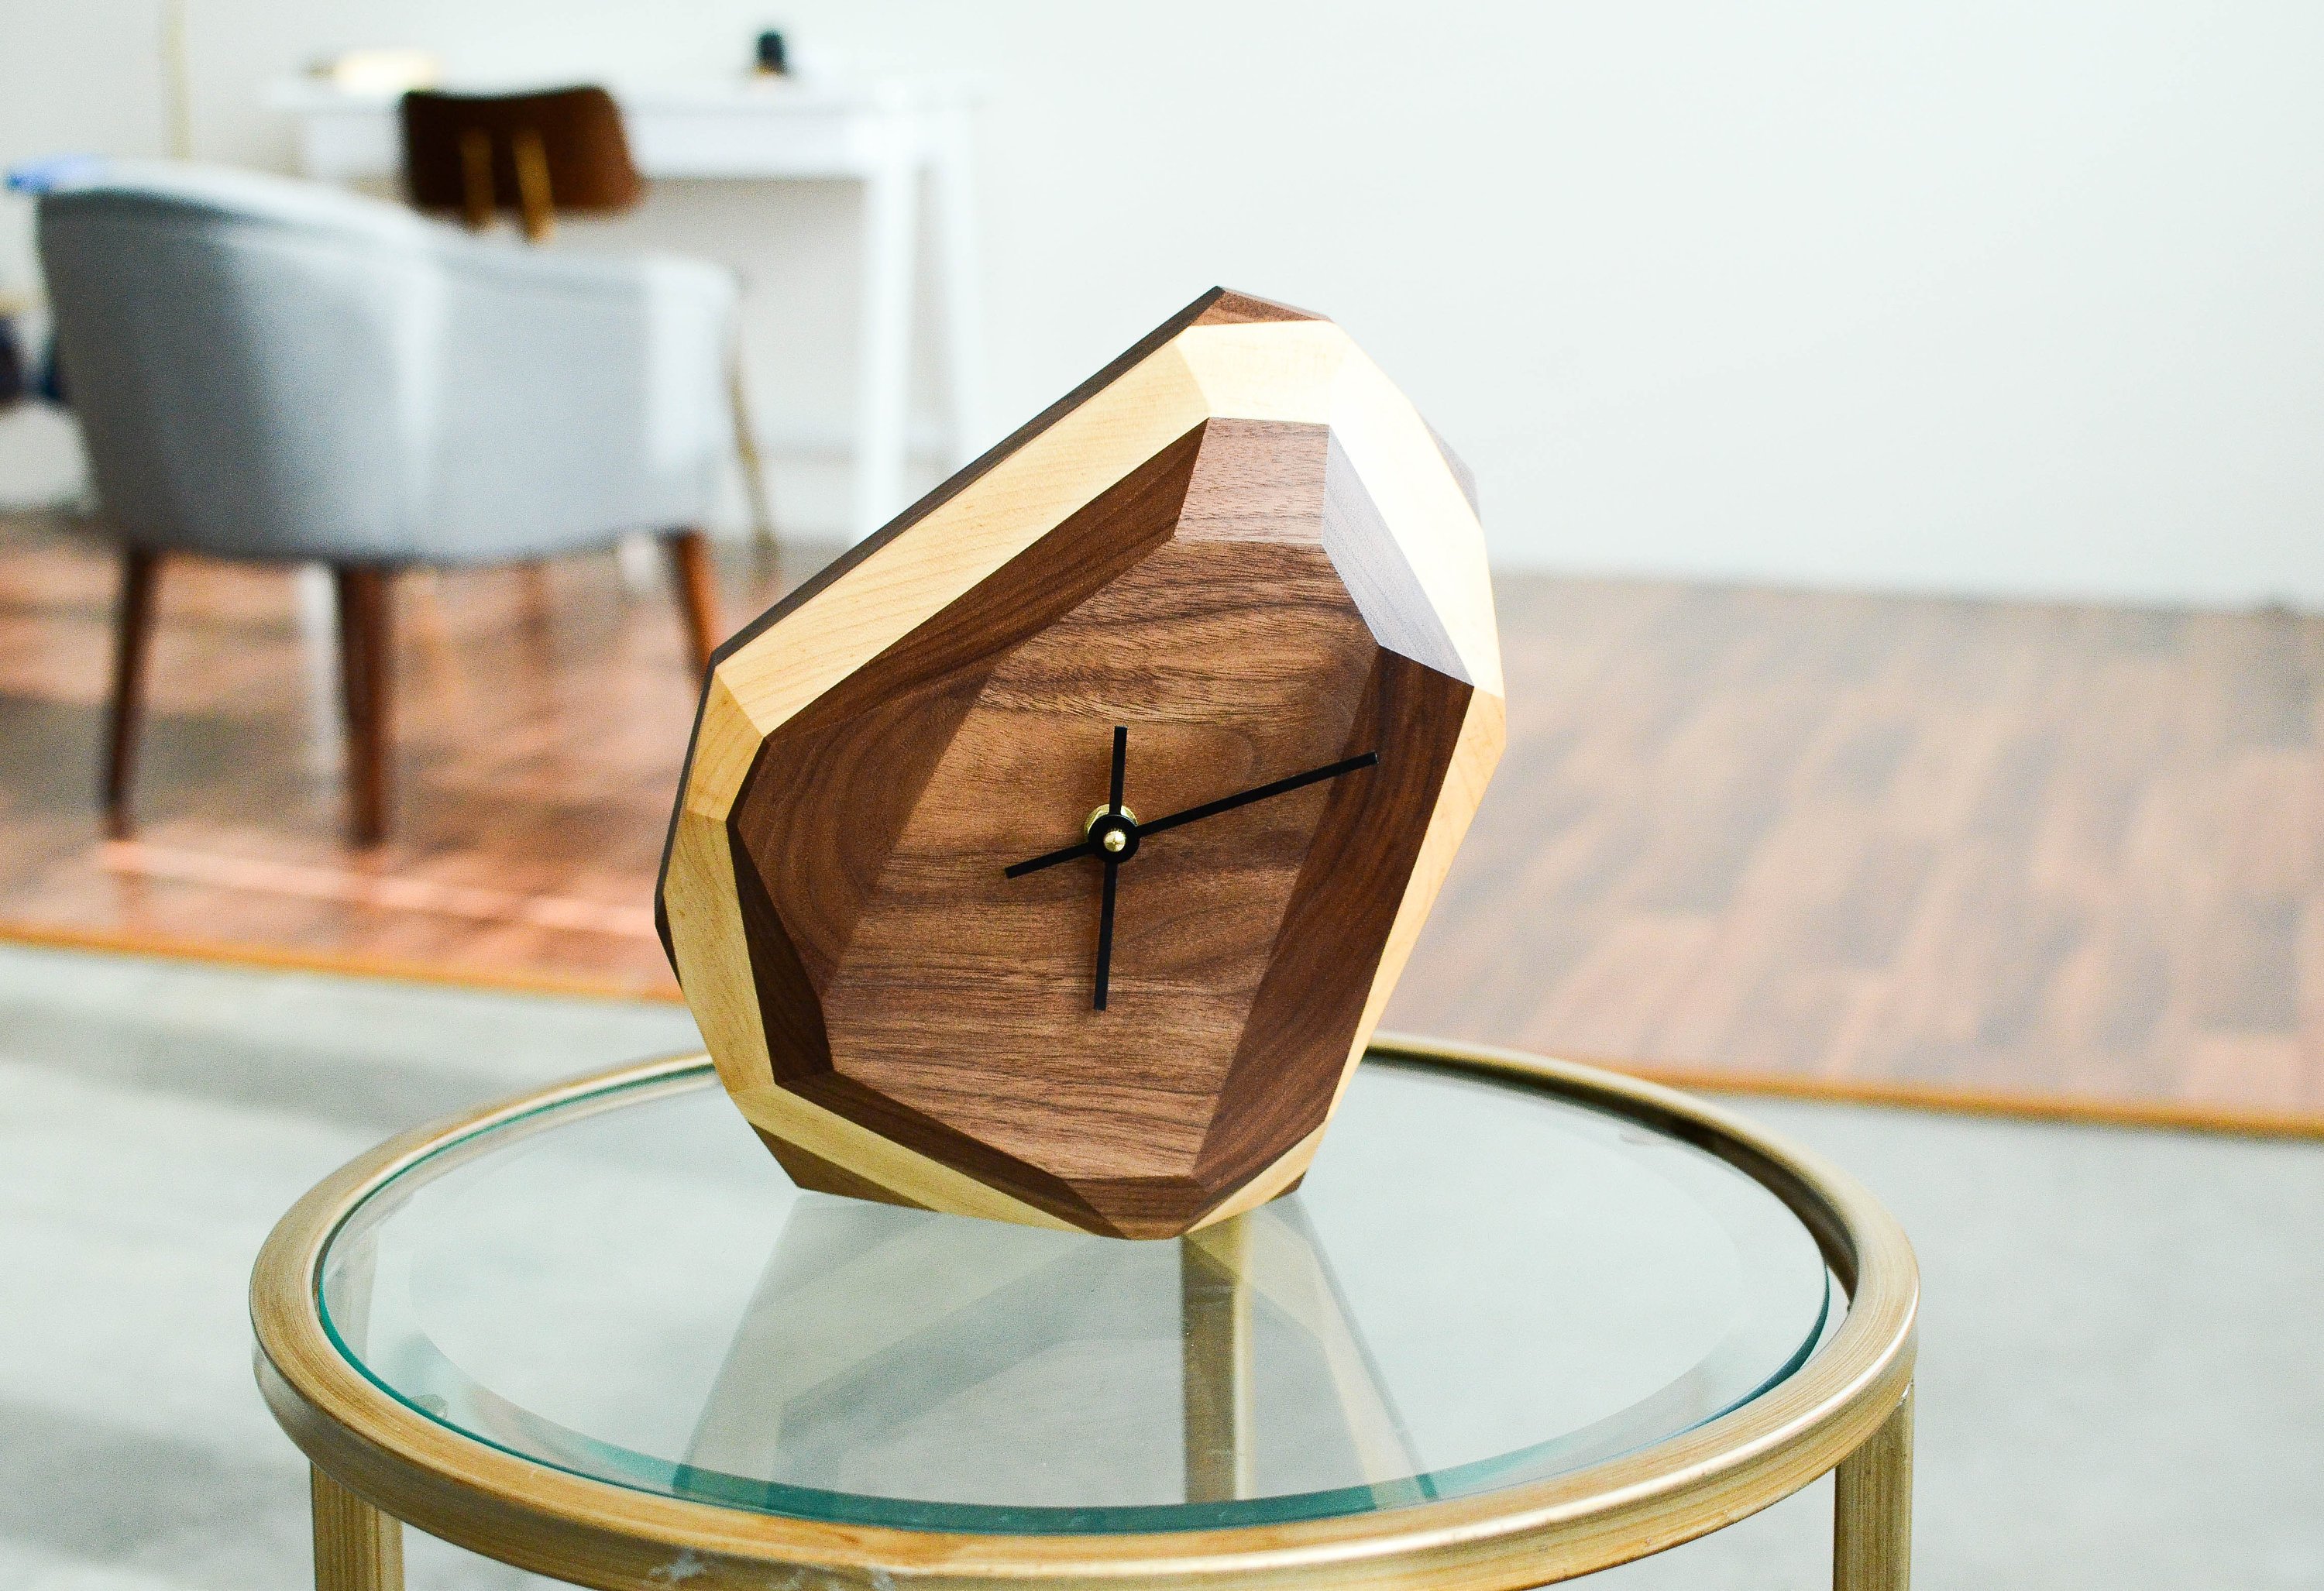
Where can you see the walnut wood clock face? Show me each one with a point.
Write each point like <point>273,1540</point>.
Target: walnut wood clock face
<point>1048,858</point>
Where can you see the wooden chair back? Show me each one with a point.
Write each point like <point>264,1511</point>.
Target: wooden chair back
<point>536,154</point>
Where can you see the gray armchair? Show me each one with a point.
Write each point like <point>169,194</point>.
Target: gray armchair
<point>277,370</point>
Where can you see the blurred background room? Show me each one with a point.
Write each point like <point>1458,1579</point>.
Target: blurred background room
<point>1898,438</point>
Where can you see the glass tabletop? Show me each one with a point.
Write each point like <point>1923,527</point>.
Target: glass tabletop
<point>1477,1284</point>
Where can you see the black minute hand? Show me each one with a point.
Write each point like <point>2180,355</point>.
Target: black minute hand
<point>1313,776</point>
<point>1019,869</point>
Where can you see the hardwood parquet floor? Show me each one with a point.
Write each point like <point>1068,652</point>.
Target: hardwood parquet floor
<point>1974,848</point>
<point>2042,856</point>
<point>540,719</point>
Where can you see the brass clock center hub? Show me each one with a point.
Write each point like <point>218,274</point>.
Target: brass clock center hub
<point>1113,839</point>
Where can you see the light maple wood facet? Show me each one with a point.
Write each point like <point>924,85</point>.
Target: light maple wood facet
<point>617,1539</point>
<point>1240,543</point>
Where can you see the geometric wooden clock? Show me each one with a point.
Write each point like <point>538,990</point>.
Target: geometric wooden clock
<point>1050,856</point>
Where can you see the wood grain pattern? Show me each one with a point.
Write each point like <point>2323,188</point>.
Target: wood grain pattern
<point>1020,490</point>
<point>1310,373</point>
<point>967,992</point>
<point>942,707</point>
<point>956,948</point>
<point>1293,1049</point>
<point>871,598</point>
<point>829,792</point>
<point>1276,1182</point>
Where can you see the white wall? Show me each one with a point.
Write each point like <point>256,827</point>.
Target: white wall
<point>2022,298</point>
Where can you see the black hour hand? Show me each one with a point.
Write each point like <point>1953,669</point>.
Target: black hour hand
<point>1050,860</point>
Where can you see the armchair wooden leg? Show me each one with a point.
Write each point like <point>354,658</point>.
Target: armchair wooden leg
<point>366,682</point>
<point>697,593</point>
<point>746,453</point>
<point>133,636</point>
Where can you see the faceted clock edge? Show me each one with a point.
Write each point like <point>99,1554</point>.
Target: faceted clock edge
<point>1227,312</point>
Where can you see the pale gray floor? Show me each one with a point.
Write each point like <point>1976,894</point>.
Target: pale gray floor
<point>2123,1381</point>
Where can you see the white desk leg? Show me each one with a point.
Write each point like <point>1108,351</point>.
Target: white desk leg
<point>955,201</point>
<point>890,199</point>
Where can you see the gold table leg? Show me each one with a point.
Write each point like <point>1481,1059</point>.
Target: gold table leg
<point>356,1547</point>
<point>746,452</point>
<point>1872,1509</point>
<point>1214,1302</point>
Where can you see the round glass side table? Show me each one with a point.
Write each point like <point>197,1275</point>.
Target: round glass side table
<point>1523,1320</point>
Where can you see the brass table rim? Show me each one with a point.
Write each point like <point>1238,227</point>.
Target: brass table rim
<point>597,1533</point>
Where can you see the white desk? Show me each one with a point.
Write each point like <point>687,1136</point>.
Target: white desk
<point>886,134</point>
